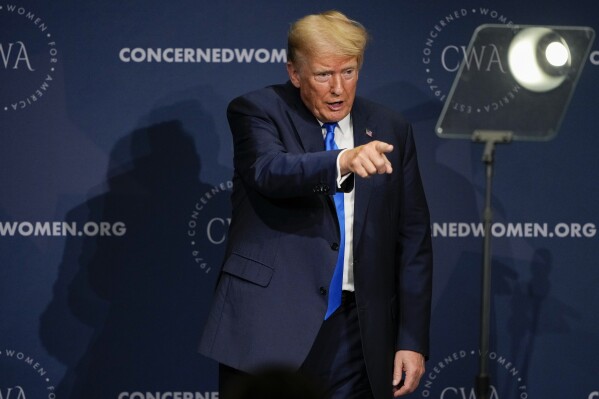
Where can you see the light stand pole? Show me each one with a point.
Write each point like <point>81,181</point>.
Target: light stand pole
<point>490,138</point>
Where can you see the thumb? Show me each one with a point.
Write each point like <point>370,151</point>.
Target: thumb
<point>397,372</point>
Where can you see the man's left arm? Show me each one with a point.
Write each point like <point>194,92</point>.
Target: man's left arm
<point>414,257</point>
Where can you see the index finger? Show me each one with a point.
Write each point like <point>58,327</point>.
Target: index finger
<point>383,147</point>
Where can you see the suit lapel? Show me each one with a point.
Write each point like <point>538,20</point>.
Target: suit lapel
<point>306,127</point>
<point>308,133</point>
<point>362,186</point>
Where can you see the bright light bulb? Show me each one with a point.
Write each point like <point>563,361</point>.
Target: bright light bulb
<point>557,54</point>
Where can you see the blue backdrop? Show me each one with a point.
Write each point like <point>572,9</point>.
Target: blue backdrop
<point>116,161</point>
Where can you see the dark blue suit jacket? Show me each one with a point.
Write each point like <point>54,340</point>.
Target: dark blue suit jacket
<point>271,297</point>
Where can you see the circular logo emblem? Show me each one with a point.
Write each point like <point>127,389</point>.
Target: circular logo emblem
<point>208,224</point>
<point>23,377</point>
<point>28,58</point>
<point>445,49</point>
<point>454,375</point>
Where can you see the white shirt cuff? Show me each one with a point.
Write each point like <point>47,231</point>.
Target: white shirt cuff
<point>341,179</point>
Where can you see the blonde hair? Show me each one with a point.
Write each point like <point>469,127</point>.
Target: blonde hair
<point>327,33</point>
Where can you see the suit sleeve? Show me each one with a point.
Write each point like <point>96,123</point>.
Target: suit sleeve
<point>414,255</point>
<point>263,157</point>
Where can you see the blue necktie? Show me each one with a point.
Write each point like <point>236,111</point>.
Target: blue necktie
<point>337,281</point>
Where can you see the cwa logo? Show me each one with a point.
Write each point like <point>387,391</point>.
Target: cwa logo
<point>23,377</point>
<point>445,49</point>
<point>28,57</point>
<point>16,392</point>
<point>453,376</point>
<point>208,224</point>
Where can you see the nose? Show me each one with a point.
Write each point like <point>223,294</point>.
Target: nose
<point>336,84</point>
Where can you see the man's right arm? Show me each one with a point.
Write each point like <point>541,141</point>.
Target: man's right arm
<point>264,162</point>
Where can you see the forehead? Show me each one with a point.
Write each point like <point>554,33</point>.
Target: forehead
<point>330,62</point>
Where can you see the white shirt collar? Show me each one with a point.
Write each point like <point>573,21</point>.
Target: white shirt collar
<point>344,124</point>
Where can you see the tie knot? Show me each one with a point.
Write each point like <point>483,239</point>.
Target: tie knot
<point>330,127</point>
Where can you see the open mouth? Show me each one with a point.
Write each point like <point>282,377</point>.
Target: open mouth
<point>336,105</point>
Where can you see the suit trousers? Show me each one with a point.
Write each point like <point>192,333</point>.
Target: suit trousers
<point>336,359</point>
<point>334,368</point>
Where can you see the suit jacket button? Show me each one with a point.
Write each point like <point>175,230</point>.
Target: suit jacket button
<point>319,188</point>
<point>323,291</point>
<point>325,188</point>
<point>335,246</point>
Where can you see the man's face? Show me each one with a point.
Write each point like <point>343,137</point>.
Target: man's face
<point>327,85</point>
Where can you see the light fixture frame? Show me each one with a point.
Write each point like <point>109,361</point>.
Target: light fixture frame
<point>532,115</point>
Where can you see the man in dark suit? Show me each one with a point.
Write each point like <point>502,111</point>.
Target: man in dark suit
<point>301,206</point>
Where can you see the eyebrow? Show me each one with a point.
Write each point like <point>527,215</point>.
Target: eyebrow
<point>330,70</point>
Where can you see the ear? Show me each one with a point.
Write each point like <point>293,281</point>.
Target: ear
<point>293,73</point>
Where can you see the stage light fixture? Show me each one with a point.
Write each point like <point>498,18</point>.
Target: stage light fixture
<point>539,59</point>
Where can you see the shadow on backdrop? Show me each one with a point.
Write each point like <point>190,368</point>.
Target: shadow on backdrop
<point>127,310</point>
<point>536,312</point>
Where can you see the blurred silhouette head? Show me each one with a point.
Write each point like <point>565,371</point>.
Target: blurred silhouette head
<point>274,383</point>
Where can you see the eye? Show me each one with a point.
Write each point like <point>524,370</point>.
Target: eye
<point>349,73</point>
<point>322,76</point>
